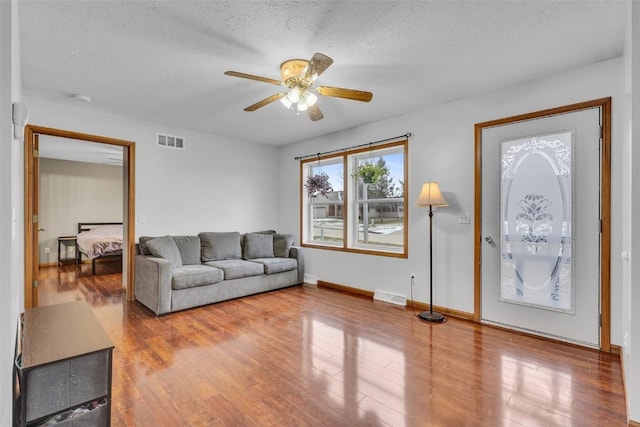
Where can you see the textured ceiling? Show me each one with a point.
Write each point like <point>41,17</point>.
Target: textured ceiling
<point>163,61</point>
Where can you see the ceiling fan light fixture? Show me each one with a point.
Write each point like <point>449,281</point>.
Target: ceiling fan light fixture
<point>294,95</point>
<point>302,106</point>
<point>285,101</point>
<point>310,98</point>
<point>298,76</point>
<point>293,68</point>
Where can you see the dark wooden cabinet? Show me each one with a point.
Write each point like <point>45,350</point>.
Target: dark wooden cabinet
<point>62,372</point>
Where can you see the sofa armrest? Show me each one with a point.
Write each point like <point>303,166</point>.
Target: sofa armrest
<point>153,283</point>
<point>296,252</point>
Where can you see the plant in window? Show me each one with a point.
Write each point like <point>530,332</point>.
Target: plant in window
<point>318,184</point>
<point>370,173</point>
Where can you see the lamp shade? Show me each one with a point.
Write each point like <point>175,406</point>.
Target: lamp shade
<point>431,195</point>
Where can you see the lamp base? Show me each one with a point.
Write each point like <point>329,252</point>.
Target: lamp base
<point>431,316</point>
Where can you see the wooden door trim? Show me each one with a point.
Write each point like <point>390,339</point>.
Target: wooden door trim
<point>605,206</point>
<point>29,181</point>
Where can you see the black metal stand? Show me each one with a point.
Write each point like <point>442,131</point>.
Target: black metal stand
<point>431,316</point>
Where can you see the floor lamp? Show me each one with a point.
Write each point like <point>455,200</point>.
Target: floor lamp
<point>431,196</point>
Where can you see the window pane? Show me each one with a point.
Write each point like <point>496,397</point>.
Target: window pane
<point>391,176</point>
<point>326,210</point>
<point>380,204</point>
<point>327,223</point>
<point>536,221</point>
<point>381,224</point>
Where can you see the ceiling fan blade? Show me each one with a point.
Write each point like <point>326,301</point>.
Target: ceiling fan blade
<point>314,113</point>
<point>356,95</point>
<point>318,63</point>
<point>267,100</point>
<point>252,77</point>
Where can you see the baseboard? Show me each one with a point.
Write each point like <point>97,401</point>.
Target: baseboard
<point>48,264</point>
<point>345,289</point>
<point>616,349</point>
<point>419,306</point>
<point>634,423</point>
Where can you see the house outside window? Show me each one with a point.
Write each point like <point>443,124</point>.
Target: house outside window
<point>358,216</point>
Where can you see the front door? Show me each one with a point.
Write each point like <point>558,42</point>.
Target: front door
<point>541,226</point>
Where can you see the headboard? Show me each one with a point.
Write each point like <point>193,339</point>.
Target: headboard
<point>86,226</point>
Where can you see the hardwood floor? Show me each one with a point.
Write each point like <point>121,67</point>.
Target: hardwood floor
<point>308,356</point>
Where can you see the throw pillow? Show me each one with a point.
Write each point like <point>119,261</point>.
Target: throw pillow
<point>189,247</point>
<point>165,247</point>
<point>282,244</point>
<point>144,250</point>
<point>220,246</point>
<point>258,246</point>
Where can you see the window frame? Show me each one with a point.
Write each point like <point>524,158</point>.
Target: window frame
<point>349,203</point>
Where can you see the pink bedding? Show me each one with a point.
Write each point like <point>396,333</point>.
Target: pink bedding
<point>101,240</point>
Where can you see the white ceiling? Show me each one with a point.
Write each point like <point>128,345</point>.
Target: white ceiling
<point>163,61</point>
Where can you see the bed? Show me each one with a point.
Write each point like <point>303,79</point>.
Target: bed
<point>99,240</point>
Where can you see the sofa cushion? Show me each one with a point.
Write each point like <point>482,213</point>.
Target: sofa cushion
<point>220,246</point>
<point>258,246</point>
<point>165,247</point>
<point>189,276</point>
<point>189,247</point>
<point>276,265</point>
<point>144,250</point>
<point>282,245</point>
<point>236,268</point>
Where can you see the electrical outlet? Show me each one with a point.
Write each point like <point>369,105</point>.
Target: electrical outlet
<point>47,250</point>
<point>463,218</point>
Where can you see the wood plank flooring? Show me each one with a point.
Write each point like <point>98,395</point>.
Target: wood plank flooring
<point>308,356</point>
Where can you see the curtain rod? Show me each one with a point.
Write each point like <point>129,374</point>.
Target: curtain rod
<point>407,135</point>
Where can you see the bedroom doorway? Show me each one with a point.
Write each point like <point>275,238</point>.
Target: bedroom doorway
<point>32,196</point>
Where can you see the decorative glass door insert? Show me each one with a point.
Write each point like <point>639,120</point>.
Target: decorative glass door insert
<point>536,221</point>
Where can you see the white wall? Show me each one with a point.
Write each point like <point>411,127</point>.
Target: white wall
<point>631,206</point>
<point>11,258</point>
<point>442,149</point>
<point>215,184</point>
<point>73,192</point>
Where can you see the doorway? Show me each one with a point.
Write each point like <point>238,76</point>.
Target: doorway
<point>31,146</point>
<point>542,231</point>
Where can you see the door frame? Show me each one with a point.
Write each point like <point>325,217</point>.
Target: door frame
<point>605,206</point>
<point>31,192</point>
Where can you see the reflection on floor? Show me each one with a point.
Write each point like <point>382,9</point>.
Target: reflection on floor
<point>71,282</point>
<point>308,356</point>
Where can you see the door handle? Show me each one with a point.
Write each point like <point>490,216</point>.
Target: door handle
<point>40,229</point>
<point>490,241</point>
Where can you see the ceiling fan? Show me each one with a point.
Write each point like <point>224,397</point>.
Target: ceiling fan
<point>298,75</point>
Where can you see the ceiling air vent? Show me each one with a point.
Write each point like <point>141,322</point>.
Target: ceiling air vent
<point>170,141</point>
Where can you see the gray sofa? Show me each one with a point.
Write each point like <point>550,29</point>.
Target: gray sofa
<point>179,272</point>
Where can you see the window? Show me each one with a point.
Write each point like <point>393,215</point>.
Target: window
<point>357,215</point>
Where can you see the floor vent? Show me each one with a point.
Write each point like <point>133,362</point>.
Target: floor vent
<point>390,297</point>
<point>170,141</point>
